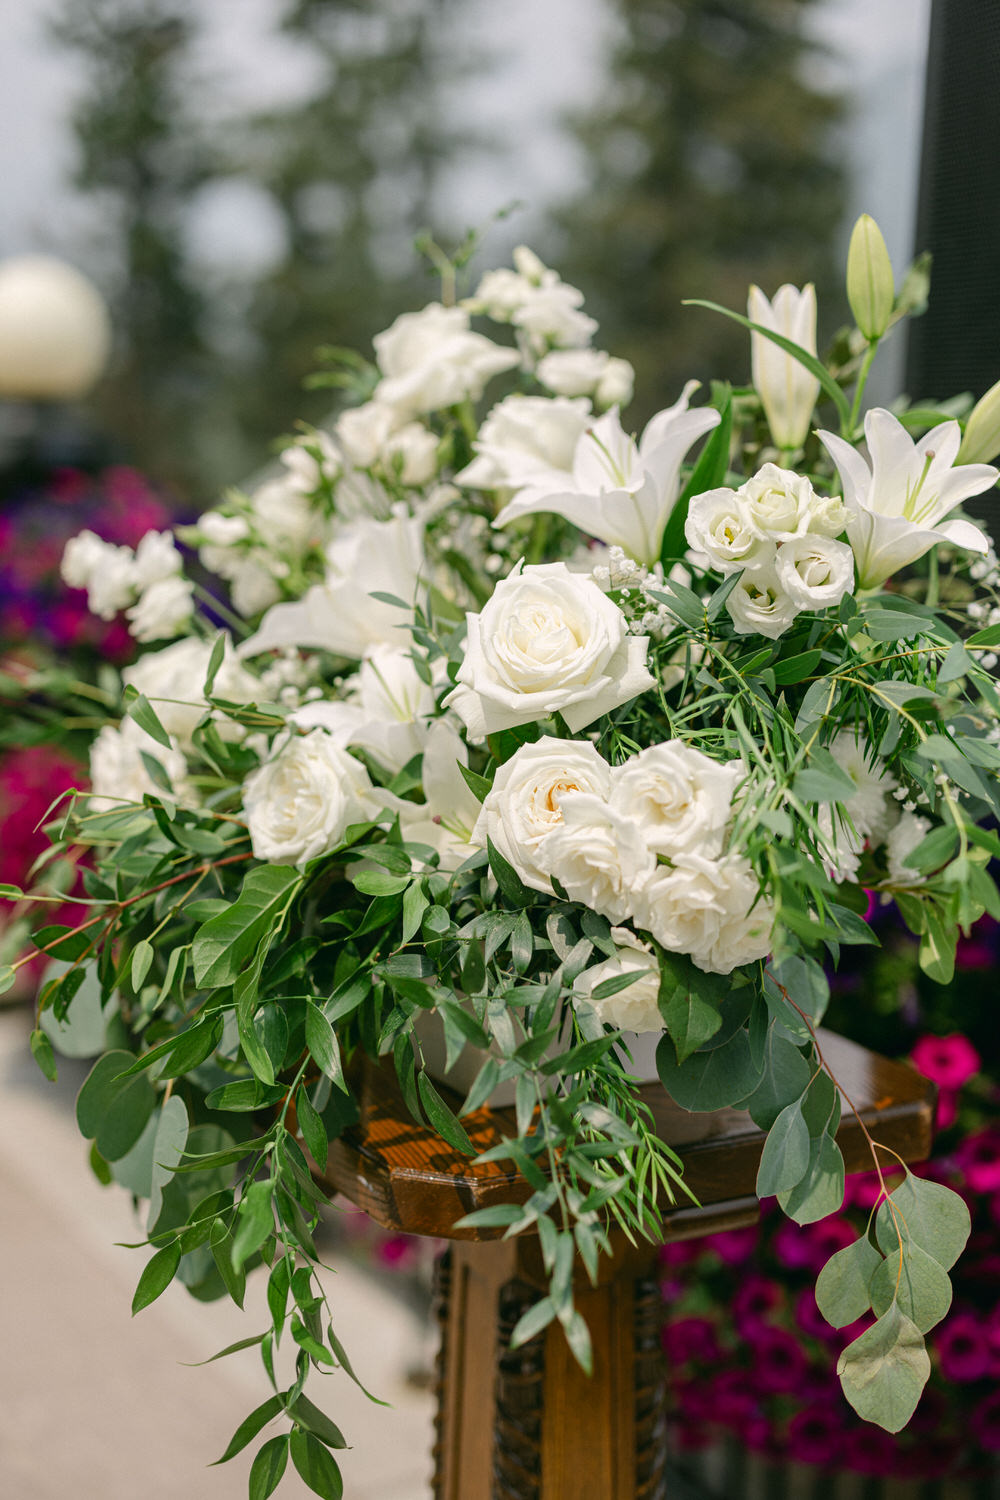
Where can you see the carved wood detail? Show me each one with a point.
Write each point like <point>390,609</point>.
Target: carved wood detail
<point>517,1434</point>
<point>442,1310</point>
<point>650,1392</point>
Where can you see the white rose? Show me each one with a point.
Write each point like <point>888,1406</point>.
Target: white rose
<point>814,570</point>
<point>718,525</point>
<point>548,641</point>
<point>636,1007</point>
<point>777,502</point>
<point>82,556</point>
<point>572,372</point>
<point>760,606</point>
<point>828,515</point>
<point>163,609</point>
<point>702,907</point>
<point>432,359</point>
<point>411,453</point>
<point>597,855</point>
<point>156,559</point>
<point>173,680</point>
<point>525,801</point>
<point>300,804</point>
<point>363,432</point>
<point>681,799</point>
<point>500,293</point>
<point>527,440</point>
<point>118,773</point>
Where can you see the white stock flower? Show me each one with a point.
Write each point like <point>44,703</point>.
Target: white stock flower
<point>897,508</point>
<point>814,570</point>
<point>597,854</point>
<point>787,390</point>
<point>903,839</point>
<point>375,436</point>
<point>587,372</point>
<point>223,531</point>
<point>705,908</point>
<point>534,298</point>
<point>525,803</point>
<point>635,1008</point>
<point>285,519</point>
<point>527,440</point>
<point>107,573</point>
<point>547,641</point>
<point>619,491</point>
<point>870,807</point>
<point>162,610</point>
<point>312,461</point>
<point>340,615</point>
<point>300,804</point>
<point>156,559</point>
<point>432,359</point>
<point>118,773</point>
<point>759,605</point>
<point>173,680</point>
<point>681,799</point>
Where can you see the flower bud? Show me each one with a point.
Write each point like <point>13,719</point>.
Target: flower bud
<point>981,441</point>
<point>871,289</point>
<point>786,389</point>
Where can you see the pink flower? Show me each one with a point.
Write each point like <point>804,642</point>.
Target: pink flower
<point>963,1349</point>
<point>984,1424</point>
<point>978,1158</point>
<point>690,1339</point>
<point>779,1363</point>
<point>814,1435</point>
<point>868,1450</point>
<point>809,1318</point>
<point>733,1246</point>
<point>948,1061</point>
<point>754,1299</point>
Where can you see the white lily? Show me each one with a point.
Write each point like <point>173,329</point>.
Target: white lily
<point>620,491</point>
<point>787,390</point>
<point>897,507</point>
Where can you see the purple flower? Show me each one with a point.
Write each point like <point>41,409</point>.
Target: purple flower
<point>984,1424</point>
<point>814,1435</point>
<point>689,1339</point>
<point>963,1349</point>
<point>948,1061</point>
<point>755,1298</point>
<point>779,1364</point>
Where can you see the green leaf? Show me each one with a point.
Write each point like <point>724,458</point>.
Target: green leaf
<point>708,473</point>
<point>823,780</point>
<point>688,1001</point>
<point>345,1364</point>
<point>313,1130</point>
<point>842,1289</point>
<point>380,883</point>
<point>317,1422</point>
<point>215,660</point>
<point>531,1323</point>
<point>931,1216</point>
<point>511,886</point>
<point>63,942</point>
<point>956,663</point>
<point>254,1223</point>
<point>785,1158</point>
<point>316,1467</point>
<point>168,1148</point>
<point>821,1190</point>
<point>786,1078</point>
<point>442,1118</point>
<point>113,1109</point>
<point>920,1286</point>
<point>268,1467</point>
<point>807,360</point>
<point>250,1426</point>
<point>988,637</point>
<point>885,1370</point>
<point>157,1276</point>
<point>41,1051</point>
<point>11,893</point>
<point>479,786</point>
<point>321,1039</point>
<point>7,978</point>
<point>711,1079</point>
<point>220,1242</point>
<point>225,943</point>
<point>141,710</point>
<point>795,668</point>
<point>142,962</point>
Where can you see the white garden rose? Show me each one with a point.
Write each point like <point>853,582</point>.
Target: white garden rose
<point>597,855</point>
<point>548,641</point>
<point>719,525</point>
<point>527,440</point>
<point>759,605</point>
<point>173,680</point>
<point>634,1008</point>
<point>162,610</point>
<point>814,570</point>
<point>119,775</point>
<point>432,359</point>
<point>525,802</point>
<point>681,799</point>
<point>707,908</point>
<point>300,804</point>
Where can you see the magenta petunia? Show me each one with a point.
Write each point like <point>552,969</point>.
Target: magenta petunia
<point>688,1339</point>
<point>948,1061</point>
<point>755,1298</point>
<point>984,1423</point>
<point>963,1348</point>
<point>814,1435</point>
<point>978,1159</point>
<point>779,1362</point>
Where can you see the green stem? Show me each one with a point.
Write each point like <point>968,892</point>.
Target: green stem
<point>847,431</point>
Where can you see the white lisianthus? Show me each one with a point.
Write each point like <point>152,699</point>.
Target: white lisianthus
<point>897,508</point>
<point>681,799</point>
<point>163,609</point>
<point>285,518</point>
<point>527,440</point>
<point>525,803</point>
<point>707,908</point>
<point>156,559</point>
<point>759,605</point>
<point>173,680</point>
<point>340,615</point>
<point>432,359</point>
<point>598,855</point>
<point>118,773</point>
<point>107,573</point>
<point>814,570</point>
<point>910,831</point>
<point>299,804</point>
<point>374,436</point>
<point>620,491</point>
<point>778,502</point>
<point>719,526</point>
<point>548,641</point>
<point>787,390</point>
<point>636,1007</point>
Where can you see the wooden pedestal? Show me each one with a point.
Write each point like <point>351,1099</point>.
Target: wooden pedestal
<point>527,1424</point>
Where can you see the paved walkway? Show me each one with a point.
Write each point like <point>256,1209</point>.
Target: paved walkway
<point>98,1406</point>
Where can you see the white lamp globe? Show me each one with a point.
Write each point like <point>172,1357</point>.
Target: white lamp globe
<point>55,331</point>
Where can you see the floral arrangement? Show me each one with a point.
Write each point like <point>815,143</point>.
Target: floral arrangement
<point>526,738</point>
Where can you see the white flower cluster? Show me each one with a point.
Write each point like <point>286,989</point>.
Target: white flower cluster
<point>146,583</point>
<point>644,842</point>
<point>781,536</point>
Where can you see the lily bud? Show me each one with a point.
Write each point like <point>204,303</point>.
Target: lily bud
<point>871,289</point>
<point>981,440</point>
<point>786,388</point>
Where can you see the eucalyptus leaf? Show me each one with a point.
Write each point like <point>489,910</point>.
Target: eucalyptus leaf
<point>842,1288</point>
<point>930,1216</point>
<point>712,1079</point>
<point>917,1282</point>
<point>883,1372</point>
<point>785,1158</point>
